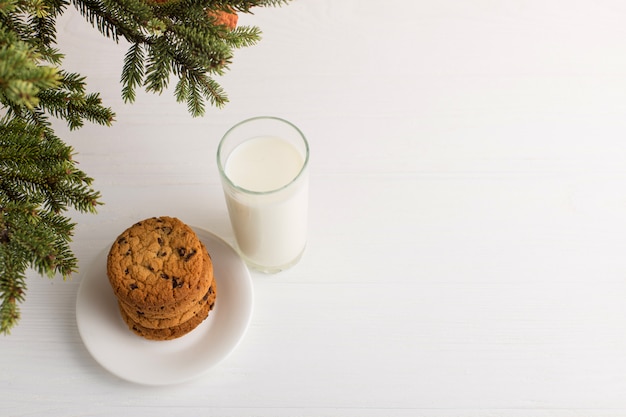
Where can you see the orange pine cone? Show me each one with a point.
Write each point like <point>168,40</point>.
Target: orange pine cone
<point>228,19</point>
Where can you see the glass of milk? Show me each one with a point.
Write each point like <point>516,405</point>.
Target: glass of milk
<point>263,164</point>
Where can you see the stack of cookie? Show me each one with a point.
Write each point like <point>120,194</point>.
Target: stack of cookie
<point>162,276</point>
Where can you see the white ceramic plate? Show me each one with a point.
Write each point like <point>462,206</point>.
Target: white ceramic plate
<point>136,359</point>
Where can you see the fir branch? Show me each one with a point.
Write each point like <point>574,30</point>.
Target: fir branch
<point>211,90</point>
<point>244,6</point>
<point>12,279</point>
<point>21,78</point>
<point>38,182</point>
<point>7,7</point>
<point>47,244</point>
<point>158,66</point>
<point>75,108</point>
<point>108,23</point>
<point>71,103</point>
<point>128,10</point>
<point>195,87</point>
<point>37,167</point>
<point>180,38</point>
<point>193,97</point>
<point>191,52</point>
<point>128,15</point>
<point>93,11</point>
<point>181,91</point>
<point>133,72</point>
<point>242,36</point>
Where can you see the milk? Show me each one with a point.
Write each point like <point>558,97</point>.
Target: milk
<point>267,200</point>
<point>263,164</point>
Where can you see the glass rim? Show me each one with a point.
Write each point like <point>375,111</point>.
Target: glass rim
<point>275,190</point>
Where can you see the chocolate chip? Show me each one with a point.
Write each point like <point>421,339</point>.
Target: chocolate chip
<point>128,253</point>
<point>167,230</point>
<point>160,241</point>
<point>150,268</point>
<point>133,286</point>
<point>182,251</point>
<point>140,313</point>
<point>162,254</point>
<point>121,240</point>
<point>211,306</point>
<point>176,283</point>
<point>164,275</point>
<point>190,254</point>
<point>126,271</point>
<point>210,290</point>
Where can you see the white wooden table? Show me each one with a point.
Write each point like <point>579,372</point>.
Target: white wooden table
<point>467,217</point>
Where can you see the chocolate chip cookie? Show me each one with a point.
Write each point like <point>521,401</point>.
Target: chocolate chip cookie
<point>152,321</point>
<point>156,262</point>
<point>168,333</point>
<point>162,276</point>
